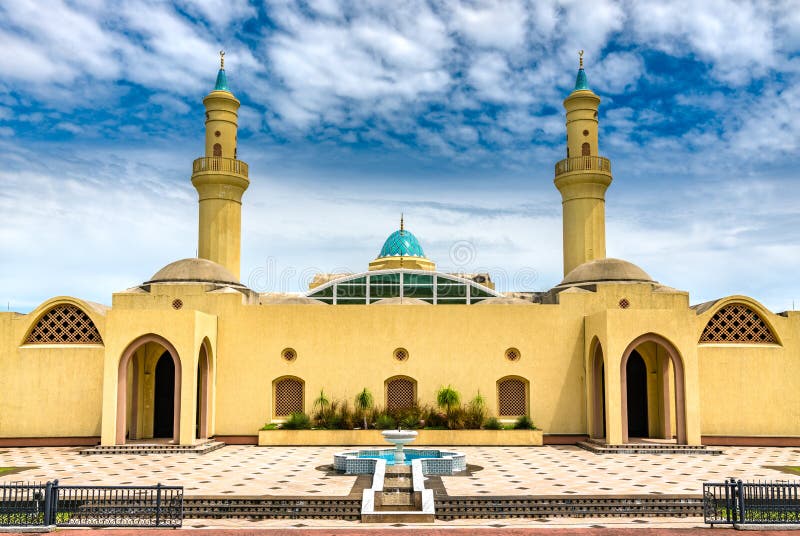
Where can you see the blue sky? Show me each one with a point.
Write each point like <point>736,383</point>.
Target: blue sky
<point>355,111</point>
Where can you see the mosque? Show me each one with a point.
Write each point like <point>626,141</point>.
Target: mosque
<point>192,353</point>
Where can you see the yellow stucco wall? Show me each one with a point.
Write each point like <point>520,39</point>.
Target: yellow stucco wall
<point>751,390</point>
<point>66,390</point>
<point>46,390</point>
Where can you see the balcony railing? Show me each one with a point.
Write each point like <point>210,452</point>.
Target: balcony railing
<point>583,163</point>
<point>218,163</point>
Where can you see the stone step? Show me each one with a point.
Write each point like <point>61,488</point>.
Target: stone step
<point>495,507</point>
<point>397,483</point>
<point>154,448</point>
<point>598,447</point>
<point>398,516</point>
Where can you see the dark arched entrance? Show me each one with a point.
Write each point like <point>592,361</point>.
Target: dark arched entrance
<point>661,353</point>
<point>164,399</point>
<point>636,383</point>
<point>598,429</point>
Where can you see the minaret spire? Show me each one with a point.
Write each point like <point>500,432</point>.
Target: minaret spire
<point>221,178</point>
<point>582,178</point>
<point>402,226</point>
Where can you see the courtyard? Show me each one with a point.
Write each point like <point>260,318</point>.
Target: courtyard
<point>492,471</point>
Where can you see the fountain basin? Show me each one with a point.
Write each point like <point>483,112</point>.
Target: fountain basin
<point>433,461</point>
<point>399,437</point>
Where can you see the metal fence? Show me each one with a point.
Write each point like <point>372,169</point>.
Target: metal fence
<point>737,502</point>
<point>37,504</point>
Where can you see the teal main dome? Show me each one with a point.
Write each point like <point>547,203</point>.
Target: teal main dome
<point>401,244</point>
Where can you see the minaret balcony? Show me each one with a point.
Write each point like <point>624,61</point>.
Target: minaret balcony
<point>597,164</point>
<point>218,164</point>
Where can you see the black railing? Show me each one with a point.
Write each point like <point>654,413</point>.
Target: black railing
<point>22,504</point>
<point>36,504</point>
<point>737,502</point>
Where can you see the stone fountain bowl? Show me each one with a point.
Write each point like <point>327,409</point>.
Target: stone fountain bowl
<point>399,437</point>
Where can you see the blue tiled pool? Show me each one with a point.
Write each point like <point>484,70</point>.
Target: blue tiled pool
<point>388,455</point>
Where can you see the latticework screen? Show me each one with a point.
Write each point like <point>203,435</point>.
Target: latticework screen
<point>512,400</point>
<point>64,324</point>
<point>737,323</point>
<point>400,393</point>
<point>288,397</point>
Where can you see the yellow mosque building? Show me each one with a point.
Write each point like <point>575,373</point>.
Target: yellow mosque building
<point>192,353</point>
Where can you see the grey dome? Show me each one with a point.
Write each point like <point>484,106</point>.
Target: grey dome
<point>605,271</point>
<point>194,271</point>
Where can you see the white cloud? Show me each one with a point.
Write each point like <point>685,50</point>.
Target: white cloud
<point>219,12</point>
<point>492,24</point>
<point>735,37</point>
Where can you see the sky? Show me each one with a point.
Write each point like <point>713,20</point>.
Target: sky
<point>356,111</point>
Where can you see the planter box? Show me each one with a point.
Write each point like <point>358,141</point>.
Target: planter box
<point>425,438</point>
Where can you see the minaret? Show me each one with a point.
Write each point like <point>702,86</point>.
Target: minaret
<point>582,178</point>
<point>220,179</point>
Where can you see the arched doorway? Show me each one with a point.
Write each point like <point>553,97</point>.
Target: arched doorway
<point>149,372</point>
<point>164,397</point>
<point>636,380</point>
<point>202,407</point>
<point>598,429</point>
<point>648,407</point>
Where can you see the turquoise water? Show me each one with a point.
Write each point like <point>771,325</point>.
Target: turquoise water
<point>389,456</point>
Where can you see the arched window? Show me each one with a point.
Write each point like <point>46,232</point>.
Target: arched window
<point>737,323</point>
<point>64,324</point>
<point>512,397</point>
<point>217,149</point>
<point>401,393</point>
<point>585,149</point>
<point>288,396</point>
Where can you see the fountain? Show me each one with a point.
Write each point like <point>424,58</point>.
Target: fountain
<point>399,438</point>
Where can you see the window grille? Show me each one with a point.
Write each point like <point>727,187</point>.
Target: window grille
<point>401,354</point>
<point>64,324</point>
<point>288,397</point>
<point>737,323</point>
<point>400,393</point>
<point>512,397</point>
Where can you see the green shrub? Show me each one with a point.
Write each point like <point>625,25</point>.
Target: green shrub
<point>342,418</point>
<point>524,423</point>
<point>297,421</point>
<point>364,402</point>
<point>267,426</point>
<point>408,418</point>
<point>492,423</point>
<point>385,422</point>
<point>435,419</point>
<point>475,413</point>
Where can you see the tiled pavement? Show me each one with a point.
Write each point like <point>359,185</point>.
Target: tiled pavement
<point>289,471</point>
<point>550,523</point>
<point>568,470</point>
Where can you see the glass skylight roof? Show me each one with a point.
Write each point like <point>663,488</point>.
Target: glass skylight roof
<point>432,287</point>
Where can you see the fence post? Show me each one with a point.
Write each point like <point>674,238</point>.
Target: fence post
<point>48,503</point>
<point>740,487</point>
<point>158,503</point>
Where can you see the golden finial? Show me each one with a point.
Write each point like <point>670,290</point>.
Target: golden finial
<point>222,59</point>
<point>580,56</point>
<point>402,227</point>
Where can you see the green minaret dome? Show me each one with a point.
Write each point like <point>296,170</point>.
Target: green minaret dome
<point>580,80</point>
<point>222,79</point>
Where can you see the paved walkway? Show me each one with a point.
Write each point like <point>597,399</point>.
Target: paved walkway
<point>556,470</point>
<point>432,531</point>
